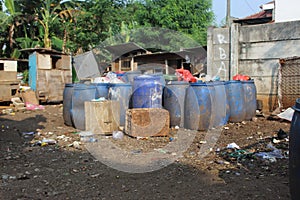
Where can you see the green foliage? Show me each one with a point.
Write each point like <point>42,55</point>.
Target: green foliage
<point>74,26</point>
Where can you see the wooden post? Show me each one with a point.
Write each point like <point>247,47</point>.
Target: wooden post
<point>167,66</point>
<point>234,50</point>
<point>210,51</point>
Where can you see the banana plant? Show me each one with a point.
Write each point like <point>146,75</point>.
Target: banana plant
<point>48,16</point>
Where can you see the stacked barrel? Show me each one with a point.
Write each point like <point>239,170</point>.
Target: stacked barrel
<point>196,106</point>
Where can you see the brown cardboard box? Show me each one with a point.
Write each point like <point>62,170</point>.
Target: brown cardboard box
<point>102,117</point>
<point>147,122</point>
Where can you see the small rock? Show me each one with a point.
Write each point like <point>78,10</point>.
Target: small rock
<point>5,176</point>
<point>254,119</point>
<point>95,175</point>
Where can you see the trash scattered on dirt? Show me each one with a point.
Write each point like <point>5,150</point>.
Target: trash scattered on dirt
<point>27,134</point>
<point>232,146</point>
<point>287,114</point>
<point>117,135</point>
<point>271,155</point>
<point>281,134</point>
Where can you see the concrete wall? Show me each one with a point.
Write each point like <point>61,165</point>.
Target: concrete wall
<point>255,51</point>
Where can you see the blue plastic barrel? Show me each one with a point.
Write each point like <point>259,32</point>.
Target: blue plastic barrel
<point>81,93</point>
<point>250,99</point>
<point>227,101</point>
<point>174,101</point>
<point>101,90</point>
<point>213,108</point>
<point>128,77</point>
<point>147,92</point>
<point>235,94</point>
<point>294,153</point>
<point>121,92</point>
<point>67,103</point>
<point>220,104</point>
<point>197,107</point>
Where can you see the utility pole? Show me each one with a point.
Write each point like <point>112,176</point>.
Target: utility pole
<point>228,14</point>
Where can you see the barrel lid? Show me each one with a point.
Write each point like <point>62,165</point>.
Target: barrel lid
<point>297,105</point>
<point>177,83</point>
<point>149,77</point>
<point>103,83</point>
<point>69,84</point>
<point>233,81</point>
<point>249,81</point>
<point>199,84</point>
<point>120,84</point>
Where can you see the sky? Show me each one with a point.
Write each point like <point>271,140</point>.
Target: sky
<point>239,8</point>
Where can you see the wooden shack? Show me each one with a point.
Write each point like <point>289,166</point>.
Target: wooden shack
<point>9,84</point>
<point>49,71</point>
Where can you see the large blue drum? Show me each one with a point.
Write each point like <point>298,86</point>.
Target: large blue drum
<point>235,94</point>
<point>81,93</point>
<point>250,99</point>
<point>197,109</point>
<point>294,153</point>
<point>121,92</point>
<point>101,90</point>
<point>67,103</point>
<point>174,101</point>
<point>220,106</point>
<point>147,92</point>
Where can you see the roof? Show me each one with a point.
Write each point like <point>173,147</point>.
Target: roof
<point>43,50</point>
<point>121,49</point>
<point>264,16</point>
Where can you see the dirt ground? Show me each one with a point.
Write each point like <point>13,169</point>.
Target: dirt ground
<point>66,170</point>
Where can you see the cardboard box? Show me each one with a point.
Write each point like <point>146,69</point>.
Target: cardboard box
<point>147,122</point>
<point>102,117</point>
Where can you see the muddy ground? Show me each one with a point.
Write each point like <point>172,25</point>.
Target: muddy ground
<point>30,169</point>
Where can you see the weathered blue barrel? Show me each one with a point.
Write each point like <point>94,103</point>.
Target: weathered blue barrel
<point>220,104</point>
<point>174,101</point>
<point>235,94</point>
<point>121,92</point>
<point>250,99</point>
<point>81,93</point>
<point>227,101</point>
<point>294,152</point>
<point>197,107</point>
<point>101,90</point>
<point>147,92</point>
<point>67,103</point>
<point>161,78</point>
<point>128,77</point>
<point>213,109</point>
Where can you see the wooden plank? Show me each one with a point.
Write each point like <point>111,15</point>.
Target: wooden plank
<point>270,50</point>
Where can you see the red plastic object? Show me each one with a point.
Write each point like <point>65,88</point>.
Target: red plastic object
<point>186,75</point>
<point>240,77</point>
